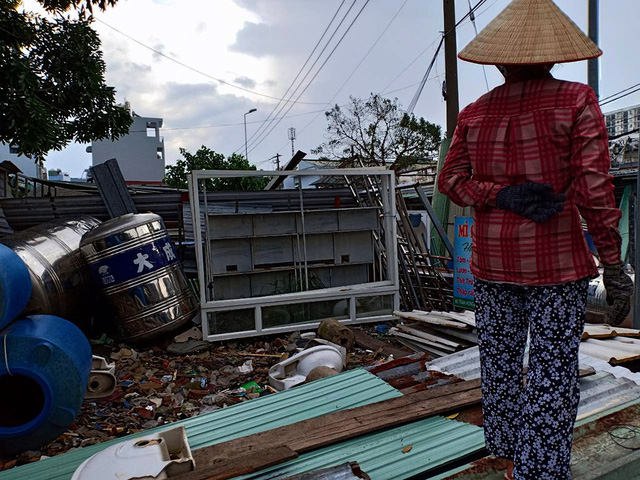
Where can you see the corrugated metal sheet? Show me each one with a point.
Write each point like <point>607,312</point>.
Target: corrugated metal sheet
<point>607,331</point>
<point>5,229</point>
<point>22,213</point>
<point>603,391</point>
<point>613,350</point>
<point>339,392</point>
<point>434,442</point>
<point>610,387</point>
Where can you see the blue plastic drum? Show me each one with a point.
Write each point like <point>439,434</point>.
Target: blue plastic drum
<point>45,363</point>
<point>15,285</point>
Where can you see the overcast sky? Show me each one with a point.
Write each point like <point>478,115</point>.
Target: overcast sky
<point>164,57</point>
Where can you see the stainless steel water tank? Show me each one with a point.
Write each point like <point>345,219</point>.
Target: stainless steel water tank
<point>135,265</point>
<point>60,278</point>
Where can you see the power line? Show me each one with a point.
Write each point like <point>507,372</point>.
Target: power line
<point>408,66</point>
<point>425,78</point>
<point>317,72</point>
<point>358,66</point>
<point>343,105</point>
<point>619,97</point>
<point>265,134</point>
<point>195,69</point>
<point>368,51</point>
<point>221,125</point>
<point>416,97</point>
<point>475,28</point>
<point>621,91</point>
<point>426,49</point>
<point>256,135</point>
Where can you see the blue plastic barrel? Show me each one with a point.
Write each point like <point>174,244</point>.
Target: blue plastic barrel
<point>45,363</point>
<point>15,285</point>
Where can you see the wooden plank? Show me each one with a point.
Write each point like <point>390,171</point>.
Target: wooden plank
<point>467,319</point>
<point>339,426</point>
<point>414,338</point>
<point>422,348</point>
<point>367,341</point>
<point>470,337</point>
<point>432,319</point>
<point>241,465</point>
<point>428,336</point>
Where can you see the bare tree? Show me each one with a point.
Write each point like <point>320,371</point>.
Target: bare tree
<point>379,131</point>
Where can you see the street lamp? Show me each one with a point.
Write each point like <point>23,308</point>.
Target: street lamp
<point>246,154</point>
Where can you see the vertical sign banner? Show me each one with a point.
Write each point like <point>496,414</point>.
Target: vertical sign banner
<point>462,277</point>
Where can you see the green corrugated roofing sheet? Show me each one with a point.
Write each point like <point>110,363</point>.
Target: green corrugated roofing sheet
<point>434,442</point>
<point>339,392</point>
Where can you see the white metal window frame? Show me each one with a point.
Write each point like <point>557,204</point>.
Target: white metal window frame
<point>350,293</point>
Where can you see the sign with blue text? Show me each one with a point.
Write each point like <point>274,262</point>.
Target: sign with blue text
<point>462,277</point>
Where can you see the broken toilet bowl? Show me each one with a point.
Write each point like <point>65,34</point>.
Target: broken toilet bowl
<point>294,370</point>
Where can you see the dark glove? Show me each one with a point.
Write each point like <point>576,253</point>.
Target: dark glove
<point>619,288</point>
<point>535,201</point>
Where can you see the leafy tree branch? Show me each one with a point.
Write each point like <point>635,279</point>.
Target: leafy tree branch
<point>378,131</point>
<point>206,159</point>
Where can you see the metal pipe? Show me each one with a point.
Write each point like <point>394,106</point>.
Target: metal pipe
<point>636,263</point>
<point>304,237</point>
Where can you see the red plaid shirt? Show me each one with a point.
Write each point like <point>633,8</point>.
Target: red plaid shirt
<point>538,130</point>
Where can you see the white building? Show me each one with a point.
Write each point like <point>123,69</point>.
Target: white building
<point>140,154</point>
<point>27,165</point>
<point>623,121</point>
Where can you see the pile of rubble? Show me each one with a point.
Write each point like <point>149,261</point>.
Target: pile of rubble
<point>155,387</point>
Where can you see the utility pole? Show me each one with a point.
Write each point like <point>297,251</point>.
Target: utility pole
<point>277,155</point>
<point>292,137</point>
<point>594,63</point>
<point>451,65</point>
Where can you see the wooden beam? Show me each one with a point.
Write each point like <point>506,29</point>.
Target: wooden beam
<point>242,464</point>
<point>367,341</point>
<point>333,428</point>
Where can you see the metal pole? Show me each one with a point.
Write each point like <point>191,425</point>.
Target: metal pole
<point>636,263</point>
<point>246,154</point>
<point>593,64</point>
<point>451,65</point>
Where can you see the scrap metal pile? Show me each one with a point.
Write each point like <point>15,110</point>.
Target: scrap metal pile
<point>154,387</point>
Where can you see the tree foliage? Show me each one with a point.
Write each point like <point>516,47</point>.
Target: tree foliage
<point>53,89</point>
<point>378,131</point>
<point>207,159</point>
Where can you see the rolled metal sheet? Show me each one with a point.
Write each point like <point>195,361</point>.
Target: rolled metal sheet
<point>135,265</point>
<point>61,282</point>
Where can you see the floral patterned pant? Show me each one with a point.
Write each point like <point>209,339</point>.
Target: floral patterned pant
<point>533,423</point>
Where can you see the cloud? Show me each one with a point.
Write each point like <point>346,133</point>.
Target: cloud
<point>194,115</point>
<point>245,82</point>
<point>258,40</point>
<point>160,48</point>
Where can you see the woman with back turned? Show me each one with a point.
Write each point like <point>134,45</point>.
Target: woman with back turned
<point>531,157</point>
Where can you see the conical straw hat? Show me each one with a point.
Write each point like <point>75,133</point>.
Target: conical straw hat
<point>530,32</point>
